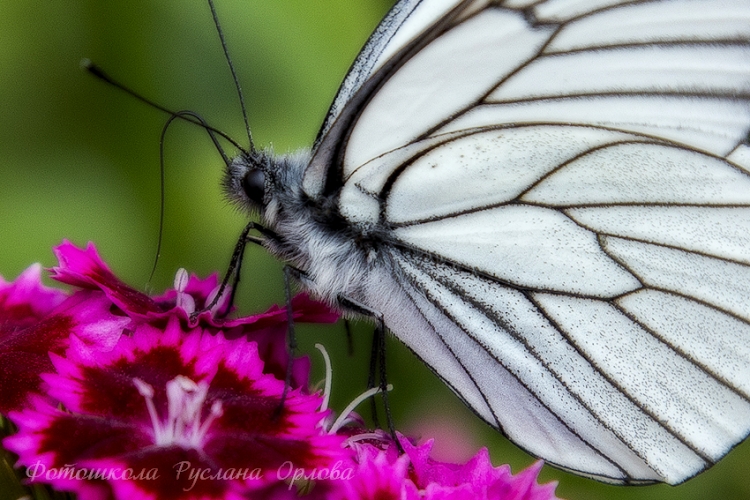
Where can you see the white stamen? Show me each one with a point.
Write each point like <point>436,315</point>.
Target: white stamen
<point>343,418</point>
<point>181,279</point>
<point>184,300</point>
<point>220,302</point>
<point>185,401</point>
<point>144,389</point>
<point>147,392</point>
<point>217,410</point>
<point>366,436</point>
<point>329,377</point>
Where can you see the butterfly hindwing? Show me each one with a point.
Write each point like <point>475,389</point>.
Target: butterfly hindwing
<point>579,299</point>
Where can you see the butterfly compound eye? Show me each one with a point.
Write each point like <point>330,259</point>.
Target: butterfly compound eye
<point>254,185</point>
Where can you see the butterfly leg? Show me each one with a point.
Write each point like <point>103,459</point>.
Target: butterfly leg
<point>291,336</point>
<point>377,358</point>
<point>349,339</point>
<point>235,265</point>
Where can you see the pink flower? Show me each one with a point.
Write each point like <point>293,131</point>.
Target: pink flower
<point>86,270</point>
<point>384,473</point>
<point>144,384</point>
<point>167,403</point>
<point>36,320</point>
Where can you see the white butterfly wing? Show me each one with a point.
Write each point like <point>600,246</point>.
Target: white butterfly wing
<point>405,22</point>
<point>563,191</point>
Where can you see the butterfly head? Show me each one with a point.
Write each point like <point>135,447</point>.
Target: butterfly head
<point>259,180</point>
<point>246,181</point>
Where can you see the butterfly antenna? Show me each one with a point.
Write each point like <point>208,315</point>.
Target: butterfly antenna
<point>188,116</point>
<point>234,74</point>
<point>98,72</point>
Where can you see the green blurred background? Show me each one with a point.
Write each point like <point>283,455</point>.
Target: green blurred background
<point>79,160</point>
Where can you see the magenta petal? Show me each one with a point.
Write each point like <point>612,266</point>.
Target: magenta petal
<point>199,289</point>
<point>24,337</point>
<point>446,481</point>
<point>24,354</point>
<point>311,311</point>
<point>273,350</point>
<point>93,321</point>
<point>382,473</point>
<point>52,441</point>
<point>19,377</point>
<point>378,477</point>
<point>85,314</point>
<point>525,486</point>
<point>429,471</point>
<point>174,473</point>
<point>269,331</point>
<point>85,269</point>
<point>304,309</point>
<point>26,300</point>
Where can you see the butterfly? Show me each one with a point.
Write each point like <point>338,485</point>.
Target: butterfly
<point>548,202</point>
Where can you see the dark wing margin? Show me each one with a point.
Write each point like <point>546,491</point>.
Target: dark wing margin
<point>362,68</point>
